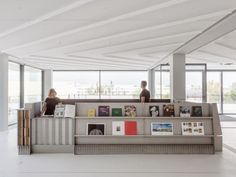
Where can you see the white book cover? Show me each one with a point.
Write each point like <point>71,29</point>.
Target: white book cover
<point>187,128</point>
<point>185,111</point>
<point>118,128</point>
<point>59,111</point>
<point>70,111</point>
<point>198,128</point>
<point>161,128</point>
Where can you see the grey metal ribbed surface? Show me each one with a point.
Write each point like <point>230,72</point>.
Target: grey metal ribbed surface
<point>84,149</point>
<point>52,131</point>
<point>24,150</point>
<point>53,148</point>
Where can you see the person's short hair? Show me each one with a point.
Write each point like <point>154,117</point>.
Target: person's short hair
<point>52,90</point>
<point>144,83</point>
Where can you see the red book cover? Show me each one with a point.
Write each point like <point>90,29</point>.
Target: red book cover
<point>130,128</point>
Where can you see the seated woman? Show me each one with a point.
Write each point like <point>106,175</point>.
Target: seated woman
<point>50,103</point>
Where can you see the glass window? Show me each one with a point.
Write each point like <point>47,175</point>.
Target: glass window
<point>158,84</point>
<point>162,84</point>
<point>194,86</point>
<point>13,92</point>
<point>214,88</point>
<point>32,85</point>
<point>165,85</point>
<point>76,84</point>
<point>229,92</point>
<point>121,84</point>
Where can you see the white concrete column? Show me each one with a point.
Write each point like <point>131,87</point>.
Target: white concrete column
<point>48,79</point>
<point>151,82</point>
<point>177,77</point>
<point>3,92</point>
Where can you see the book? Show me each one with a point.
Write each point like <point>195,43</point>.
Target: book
<point>130,128</point>
<point>95,129</point>
<point>118,128</point>
<point>117,112</point>
<point>197,111</point>
<point>103,110</point>
<point>130,111</point>
<point>91,112</point>
<point>184,111</point>
<point>69,111</point>
<point>62,111</point>
<point>187,128</point>
<point>154,111</point>
<point>168,110</point>
<point>161,128</point>
<point>192,128</point>
<point>198,128</point>
<point>59,111</point>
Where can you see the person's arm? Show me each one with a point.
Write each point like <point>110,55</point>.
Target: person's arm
<point>59,101</point>
<point>149,97</point>
<point>142,99</point>
<point>44,108</point>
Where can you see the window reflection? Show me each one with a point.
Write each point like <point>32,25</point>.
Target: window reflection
<point>32,85</point>
<point>13,92</point>
<point>229,92</point>
<point>76,84</point>
<point>121,84</point>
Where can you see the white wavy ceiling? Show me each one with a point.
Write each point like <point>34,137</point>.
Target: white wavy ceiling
<point>110,34</point>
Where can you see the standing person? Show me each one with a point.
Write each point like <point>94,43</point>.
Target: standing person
<point>145,94</point>
<point>50,103</point>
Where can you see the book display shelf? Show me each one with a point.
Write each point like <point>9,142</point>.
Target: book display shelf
<point>23,129</point>
<point>130,128</point>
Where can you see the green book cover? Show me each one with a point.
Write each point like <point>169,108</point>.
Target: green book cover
<point>116,112</point>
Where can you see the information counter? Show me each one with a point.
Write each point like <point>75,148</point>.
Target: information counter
<point>70,135</point>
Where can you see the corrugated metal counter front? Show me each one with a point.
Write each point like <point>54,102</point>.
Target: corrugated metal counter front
<point>52,134</point>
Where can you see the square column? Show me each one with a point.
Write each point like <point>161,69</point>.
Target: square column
<point>48,79</point>
<point>177,77</point>
<point>151,82</point>
<point>3,92</point>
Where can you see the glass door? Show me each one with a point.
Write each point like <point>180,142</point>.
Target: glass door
<point>214,88</point>
<point>196,83</point>
<point>229,92</point>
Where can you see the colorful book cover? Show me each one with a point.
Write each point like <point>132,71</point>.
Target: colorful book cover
<point>169,110</point>
<point>162,128</point>
<point>117,112</point>
<point>118,128</point>
<point>197,111</point>
<point>130,111</point>
<point>103,111</point>
<point>154,111</point>
<point>96,129</point>
<point>184,111</point>
<point>91,112</point>
<point>130,128</point>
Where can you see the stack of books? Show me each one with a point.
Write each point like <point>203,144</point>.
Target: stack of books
<point>23,127</point>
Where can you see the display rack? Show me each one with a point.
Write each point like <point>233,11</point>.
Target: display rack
<point>70,134</point>
<point>24,133</point>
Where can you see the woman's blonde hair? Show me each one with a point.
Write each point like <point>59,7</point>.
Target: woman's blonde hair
<point>51,91</point>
